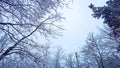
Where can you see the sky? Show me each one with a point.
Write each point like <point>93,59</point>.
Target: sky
<point>78,24</point>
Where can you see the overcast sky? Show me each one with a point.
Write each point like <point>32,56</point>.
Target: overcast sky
<point>78,24</point>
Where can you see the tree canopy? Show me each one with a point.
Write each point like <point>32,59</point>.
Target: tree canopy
<point>110,13</point>
<point>22,20</point>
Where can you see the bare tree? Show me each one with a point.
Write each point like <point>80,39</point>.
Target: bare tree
<point>46,57</point>
<point>93,51</point>
<point>58,58</point>
<point>70,61</point>
<point>77,60</point>
<point>21,21</point>
<point>100,51</point>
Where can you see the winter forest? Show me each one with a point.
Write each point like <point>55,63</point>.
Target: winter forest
<point>28,26</point>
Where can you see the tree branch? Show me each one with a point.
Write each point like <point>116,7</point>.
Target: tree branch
<point>12,47</point>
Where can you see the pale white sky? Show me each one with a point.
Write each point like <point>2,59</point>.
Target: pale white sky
<point>78,24</point>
